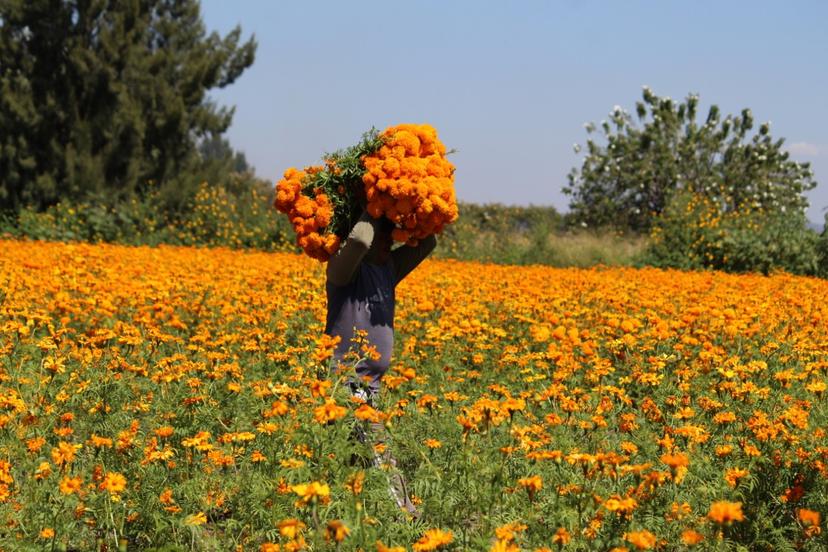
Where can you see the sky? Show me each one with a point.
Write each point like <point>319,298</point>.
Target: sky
<point>510,84</point>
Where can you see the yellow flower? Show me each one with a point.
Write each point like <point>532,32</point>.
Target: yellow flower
<point>310,492</point>
<point>195,520</point>
<point>43,471</point>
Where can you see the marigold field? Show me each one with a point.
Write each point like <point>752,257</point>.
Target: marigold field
<point>176,398</point>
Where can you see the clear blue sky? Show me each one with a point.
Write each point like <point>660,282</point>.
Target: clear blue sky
<point>510,84</point>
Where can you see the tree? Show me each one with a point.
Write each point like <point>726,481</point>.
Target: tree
<point>105,98</point>
<point>629,178</point>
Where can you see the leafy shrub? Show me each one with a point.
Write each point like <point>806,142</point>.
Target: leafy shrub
<point>213,217</point>
<point>696,232</point>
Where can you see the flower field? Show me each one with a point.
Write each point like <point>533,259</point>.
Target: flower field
<point>175,398</point>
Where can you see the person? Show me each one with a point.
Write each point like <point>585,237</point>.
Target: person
<point>361,278</point>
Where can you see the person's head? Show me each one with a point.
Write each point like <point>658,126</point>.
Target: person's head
<point>381,246</point>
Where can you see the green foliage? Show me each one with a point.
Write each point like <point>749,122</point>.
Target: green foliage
<point>215,216</point>
<point>103,99</point>
<point>629,177</point>
<point>694,232</point>
<point>341,179</point>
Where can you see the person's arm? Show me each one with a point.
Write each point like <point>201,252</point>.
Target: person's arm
<point>406,258</point>
<point>342,264</point>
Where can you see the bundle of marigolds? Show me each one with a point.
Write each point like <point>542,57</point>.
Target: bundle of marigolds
<point>401,174</point>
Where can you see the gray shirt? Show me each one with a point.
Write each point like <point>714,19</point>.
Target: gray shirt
<point>365,303</point>
<point>361,297</point>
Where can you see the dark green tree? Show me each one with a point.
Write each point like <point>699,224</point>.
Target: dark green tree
<point>103,98</point>
<point>628,177</point>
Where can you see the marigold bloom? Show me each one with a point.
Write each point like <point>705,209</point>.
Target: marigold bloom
<point>43,471</point>
<point>808,517</point>
<point>290,528</point>
<point>642,540</point>
<point>691,537</point>
<point>433,539</point>
<point>113,483</point>
<point>532,484</point>
<point>561,537</point>
<point>64,453</point>
<point>69,485</point>
<point>725,513</point>
<point>733,475</point>
<point>329,412</point>
<point>336,530</point>
<point>196,519</point>
<point>309,492</point>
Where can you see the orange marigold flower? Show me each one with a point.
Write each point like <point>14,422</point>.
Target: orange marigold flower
<point>329,412</point>
<point>290,528</point>
<point>532,484</point>
<point>433,539</point>
<point>355,482</point>
<point>808,517</point>
<point>561,537</point>
<point>724,512</point>
<point>733,475</point>
<point>309,492</point>
<point>64,453</point>
<point>642,540</point>
<point>336,530</point>
<point>43,471</point>
<point>691,537</point>
<point>113,483</point>
<point>69,485</point>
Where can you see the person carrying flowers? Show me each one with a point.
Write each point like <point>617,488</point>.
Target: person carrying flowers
<point>361,280</point>
<point>393,186</point>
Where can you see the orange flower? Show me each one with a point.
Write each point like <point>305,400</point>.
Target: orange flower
<point>329,412</point>
<point>532,484</point>
<point>336,530</point>
<point>561,537</point>
<point>725,513</point>
<point>642,540</point>
<point>433,539</point>
<point>355,482</point>
<point>69,485</point>
<point>733,475</point>
<point>691,538</point>
<point>290,528</point>
<point>808,517</point>
<point>113,483</point>
<point>64,453</point>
